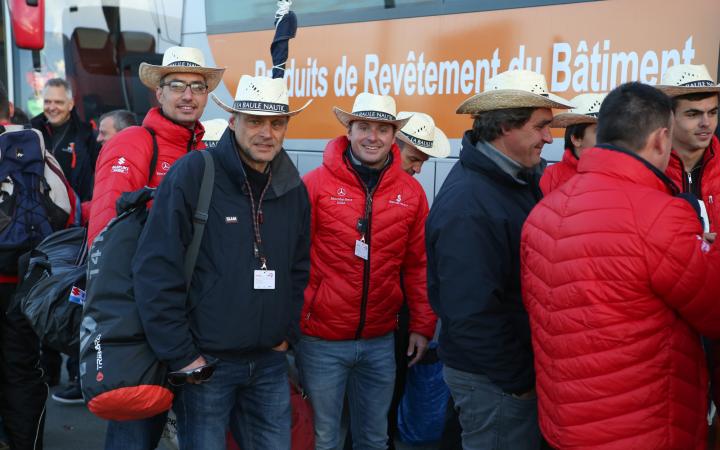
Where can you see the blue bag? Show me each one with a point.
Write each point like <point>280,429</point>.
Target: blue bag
<point>421,413</point>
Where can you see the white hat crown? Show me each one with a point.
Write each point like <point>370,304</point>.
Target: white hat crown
<point>688,75</point>
<point>587,104</point>
<point>262,94</point>
<point>519,80</point>
<point>183,57</point>
<point>214,129</point>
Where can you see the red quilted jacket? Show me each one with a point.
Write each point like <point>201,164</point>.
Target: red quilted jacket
<point>618,286</point>
<point>342,301</point>
<point>559,172</point>
<point>709,179</point>
<point>124,163</point>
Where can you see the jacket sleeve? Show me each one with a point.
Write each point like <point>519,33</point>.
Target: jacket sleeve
<point>300,269</point>
<point>122,166</point>
<point>414,270</point>
<point>158,269</point>
<point>684,270</point>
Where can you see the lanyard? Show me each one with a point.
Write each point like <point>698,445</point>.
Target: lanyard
<point>257,220</point>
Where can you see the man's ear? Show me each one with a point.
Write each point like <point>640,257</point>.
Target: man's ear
<point>576,142</point>
<point>158,93</point>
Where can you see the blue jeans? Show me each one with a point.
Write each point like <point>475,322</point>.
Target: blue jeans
<point>142,434</point>
<point>491,418</point>
<point>366,368</point>
<point>252,397</point>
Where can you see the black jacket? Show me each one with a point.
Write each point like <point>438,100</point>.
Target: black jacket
<point>78,163</point>
<point>223,316</point>
<point>473,249</point>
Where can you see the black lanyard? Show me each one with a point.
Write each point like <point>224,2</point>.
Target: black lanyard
<point>257,220</point>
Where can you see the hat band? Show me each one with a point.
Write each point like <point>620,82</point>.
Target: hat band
<point>247,105</point>
<point>698,83</point>
<point>211,144</point>
<point>380,115</point>
<point>593,114</point>
<point>417,141</point>
<point>184,64</point>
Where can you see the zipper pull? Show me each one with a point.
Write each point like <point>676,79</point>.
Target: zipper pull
<point>710,200</point>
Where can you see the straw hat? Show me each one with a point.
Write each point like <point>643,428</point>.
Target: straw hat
<point>260,96</point>
<point>513,89</point>
<point>587,109</point>
<point>180,60</point>
<point>373,108</point>
<point>214,129</point>
<point>684,79</point>
<point>421,132</point>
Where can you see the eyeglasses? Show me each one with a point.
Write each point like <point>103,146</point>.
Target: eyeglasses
<point>197,375</point>
<point>178,86</point>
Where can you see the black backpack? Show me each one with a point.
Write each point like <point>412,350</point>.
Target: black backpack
<point>120,375</point>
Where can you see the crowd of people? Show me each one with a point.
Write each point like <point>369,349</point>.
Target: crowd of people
<point>573,306</point>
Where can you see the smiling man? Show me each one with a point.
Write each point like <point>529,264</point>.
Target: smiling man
<point>126,164</point>
<point>70,140</point>
<point>473,249</point>
<point>368,227</point>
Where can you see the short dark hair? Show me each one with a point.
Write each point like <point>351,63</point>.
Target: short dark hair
<point>4,103</point>
<point>630,112</point>
<point>576,131</point>
<point>489,125</point>
<point>692,97</point>
<point>122,118</point>
<point>19,117</point>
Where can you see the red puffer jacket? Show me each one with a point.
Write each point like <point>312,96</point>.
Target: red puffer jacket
<point>709,180</point>
<point>559,172</point>
<point>124,163</point>
<point>619,285</point>
<point>345,299</point>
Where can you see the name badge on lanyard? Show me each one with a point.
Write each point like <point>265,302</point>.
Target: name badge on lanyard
<point>264,279</point>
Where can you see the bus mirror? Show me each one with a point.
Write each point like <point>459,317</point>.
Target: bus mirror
<point>28,23</point>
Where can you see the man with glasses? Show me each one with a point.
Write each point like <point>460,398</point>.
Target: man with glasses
<point>181,84</point>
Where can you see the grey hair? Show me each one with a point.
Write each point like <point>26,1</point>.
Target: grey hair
<point>58,82</point>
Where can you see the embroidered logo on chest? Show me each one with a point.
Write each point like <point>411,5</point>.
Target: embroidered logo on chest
<point>340,197</point>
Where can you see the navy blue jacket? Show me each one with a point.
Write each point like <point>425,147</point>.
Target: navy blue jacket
<point>223,316</point>
<point>78,162</point>
<point>473,248</point>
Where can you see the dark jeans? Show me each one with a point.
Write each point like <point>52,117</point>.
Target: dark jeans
<point>142,434</point>
<point>252,397</point>
<point>490,418</point>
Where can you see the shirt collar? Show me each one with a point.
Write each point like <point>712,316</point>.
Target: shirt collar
<point>506,164</point>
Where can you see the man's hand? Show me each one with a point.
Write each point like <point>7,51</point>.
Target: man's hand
<point>418,345</point>
<point>709,237</point>
<point>282,347</point>
<point>194,365</point>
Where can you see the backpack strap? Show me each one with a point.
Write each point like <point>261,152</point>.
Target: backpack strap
<point>200,216</point>
<point>153,160</point>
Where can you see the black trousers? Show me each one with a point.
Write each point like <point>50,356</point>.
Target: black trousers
<point>22,385</point>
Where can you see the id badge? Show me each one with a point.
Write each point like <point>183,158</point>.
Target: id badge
<point>361,250</point>
<point>264,279</point>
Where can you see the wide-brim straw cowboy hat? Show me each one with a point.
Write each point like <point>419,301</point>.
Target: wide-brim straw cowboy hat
<point>214,129</point>
<point>421,133</point>
<point>587,109</point>
<point>180,60</point>
<point>372,108</point>
<point>513,89</point>
<point>684,79</point>
<point>261,96</point>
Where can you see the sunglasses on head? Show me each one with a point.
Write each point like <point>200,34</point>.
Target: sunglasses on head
<point>197,375</point>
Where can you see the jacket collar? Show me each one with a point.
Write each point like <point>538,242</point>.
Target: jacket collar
<point>619,163</point>
<point>285,176</point>
<point>335,160</point>
<point>570,159</point>
<point>174,132</point>
<point>480,162</point>
<point>676,163</point>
